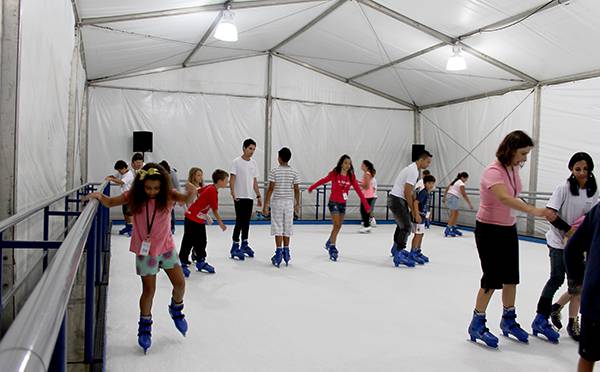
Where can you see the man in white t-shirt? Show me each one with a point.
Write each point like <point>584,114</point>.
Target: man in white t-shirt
<point>399,200</point>
<point>244,187</point>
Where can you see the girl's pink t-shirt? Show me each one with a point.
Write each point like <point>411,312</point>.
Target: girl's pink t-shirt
<point>491,210</point>
<point>161,239</point>
<point>369,192</point>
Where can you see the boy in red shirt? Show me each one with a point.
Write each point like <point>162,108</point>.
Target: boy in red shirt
<point>196,218</point>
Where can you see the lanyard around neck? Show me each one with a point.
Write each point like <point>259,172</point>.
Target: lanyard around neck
<point>513,180</point>
<point>149,222</point>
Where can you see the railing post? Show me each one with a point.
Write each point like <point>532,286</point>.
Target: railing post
<point>387,207</point>
<point>324,201</point>
<point>99,239</point>
<point>1,278</point>
<point>317,194</point>
<point>66,216</point>
<point>439,204</point>
<point>89,295</point>
<point>59,357</point>
<point>46,236</point>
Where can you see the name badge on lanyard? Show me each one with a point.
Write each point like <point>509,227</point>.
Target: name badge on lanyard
<point>145,249</point>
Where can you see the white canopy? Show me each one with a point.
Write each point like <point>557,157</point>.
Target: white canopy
<point>396,49</point>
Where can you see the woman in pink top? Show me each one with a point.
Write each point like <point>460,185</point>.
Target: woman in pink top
<point>496,236</point>
<point>151,200</point>
<point>342,178</point>
<point>369,192</point>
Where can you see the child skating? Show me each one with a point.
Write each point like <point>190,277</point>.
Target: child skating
<point>151,199</point>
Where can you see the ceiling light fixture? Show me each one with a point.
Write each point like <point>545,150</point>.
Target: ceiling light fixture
<point>456,62</point>
<point>226,29</point>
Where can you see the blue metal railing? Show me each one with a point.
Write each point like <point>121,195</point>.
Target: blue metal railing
<point>36,340</point>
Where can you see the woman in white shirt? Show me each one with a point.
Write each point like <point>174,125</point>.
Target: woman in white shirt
<point>452,196</point>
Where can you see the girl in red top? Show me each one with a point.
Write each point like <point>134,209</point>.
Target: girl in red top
<point>341,178</point>
<point>151,199</point>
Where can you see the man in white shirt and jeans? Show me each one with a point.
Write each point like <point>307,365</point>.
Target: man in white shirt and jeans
<point>244,186</point>
<point>399,200</point>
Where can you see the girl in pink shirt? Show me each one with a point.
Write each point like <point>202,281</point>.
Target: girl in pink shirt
<point>342,178</point>
<point>368,190</point>
<point>151,200</point>
<point>496,236</point>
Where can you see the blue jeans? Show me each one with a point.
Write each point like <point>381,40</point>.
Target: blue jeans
<point>336,208</point>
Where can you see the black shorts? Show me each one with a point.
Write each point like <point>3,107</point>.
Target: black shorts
<point>125,208</point>
<point>589,340</point>
<point>498,248</point>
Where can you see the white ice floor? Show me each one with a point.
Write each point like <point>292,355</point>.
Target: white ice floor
<point>358,314</point>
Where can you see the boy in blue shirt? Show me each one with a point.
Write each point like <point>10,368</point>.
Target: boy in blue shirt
<point>586,278</point>
<point>421,204</point>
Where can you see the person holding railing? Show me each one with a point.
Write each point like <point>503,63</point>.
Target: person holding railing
<point>451,199</point>
<point>496,236</point>
<point>571,200</point>
<point>342,177</point>
<point>151,199</point>
<point>368,190</point>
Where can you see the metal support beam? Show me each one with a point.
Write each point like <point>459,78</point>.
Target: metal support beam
<point>84,130</point>
<point>268,119</point>
<point>445,38</point>
<point>190,10</point>
<point>9,94</point>
<point>535,152</point>
<point>570,78</point>
<point>400,60</point>
<point>205,37</point>
<point>344,80</point>
<point>418,129</point>
<point>310,24</point>
<point>478,96</point>
<point>171,68</point>
<point>495,62</point>
<point>72,115</point>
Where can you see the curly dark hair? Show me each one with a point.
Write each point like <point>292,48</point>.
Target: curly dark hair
<point>138,196</point>
<point>590,185</point>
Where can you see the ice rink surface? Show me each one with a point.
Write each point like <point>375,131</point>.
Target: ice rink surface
<point>358,314</point>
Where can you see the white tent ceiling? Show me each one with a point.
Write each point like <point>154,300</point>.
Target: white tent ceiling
<point>397,49</point>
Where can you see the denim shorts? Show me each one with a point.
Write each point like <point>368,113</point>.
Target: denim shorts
<point>452,202</point>
<point>337,208</point>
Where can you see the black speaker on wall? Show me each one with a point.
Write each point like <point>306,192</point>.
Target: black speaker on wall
<point>142,141</point>
<point>416,151</point>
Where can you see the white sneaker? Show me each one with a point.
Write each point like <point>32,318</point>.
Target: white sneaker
<point>364,230</point>
<point>373,222</point>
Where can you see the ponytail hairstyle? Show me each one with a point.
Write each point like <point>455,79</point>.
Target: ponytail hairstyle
<point>138,196</point>
<point>370,167</point>
<point>459,176</point>
<point>590,185</point>
<point>338,168</point>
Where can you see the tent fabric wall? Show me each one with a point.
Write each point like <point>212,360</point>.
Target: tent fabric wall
<point>43,95</point>
<point>465,136</point>
<point>246,76</point>
<point>319,134</point>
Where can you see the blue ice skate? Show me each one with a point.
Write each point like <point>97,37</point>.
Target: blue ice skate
<point>478,330</point>
<point>509,326</point>
<point>178,317</point>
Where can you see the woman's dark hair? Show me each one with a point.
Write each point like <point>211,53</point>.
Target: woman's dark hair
<point>459,176</point>
<point>338,168</point>
<point>370,167</point>
<point>510,144</point>
<point>165,165</point>
<point>138,196</point>
<point>590,185</point>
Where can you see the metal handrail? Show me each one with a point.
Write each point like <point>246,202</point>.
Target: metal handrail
<point>21,216</point>
<point>29,342</point>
